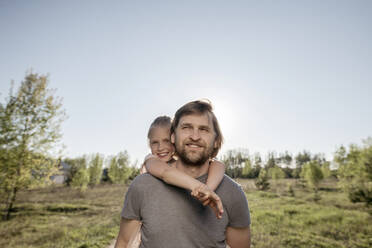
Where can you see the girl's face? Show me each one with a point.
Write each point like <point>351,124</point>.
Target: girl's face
<point>160,143</point>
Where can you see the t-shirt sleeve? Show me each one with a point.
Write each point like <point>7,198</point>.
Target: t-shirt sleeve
<point>239,215</point>
<point>132,203</point>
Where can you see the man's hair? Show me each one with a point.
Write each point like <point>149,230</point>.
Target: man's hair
<point>161,121</point>
<point>200,107</point>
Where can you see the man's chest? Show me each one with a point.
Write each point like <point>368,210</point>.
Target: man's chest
<point>168,211</point>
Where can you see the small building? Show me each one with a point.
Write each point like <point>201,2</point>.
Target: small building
<point>62,175</point>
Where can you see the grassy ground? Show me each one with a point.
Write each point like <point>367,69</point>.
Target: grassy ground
<point>61,217</point>
<point>302,219</point>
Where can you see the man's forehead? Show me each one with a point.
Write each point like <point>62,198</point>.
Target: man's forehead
<point>198,119</point>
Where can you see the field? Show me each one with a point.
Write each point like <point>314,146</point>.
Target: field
<point>62,217</point>
<point>301,219</point>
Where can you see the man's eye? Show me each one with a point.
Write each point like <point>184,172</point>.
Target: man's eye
<point>154,143</point>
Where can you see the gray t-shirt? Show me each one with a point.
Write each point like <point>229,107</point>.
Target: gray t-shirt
<point>171,217</point>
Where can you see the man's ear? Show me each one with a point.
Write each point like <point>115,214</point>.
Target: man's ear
<point>215,142</point>
<point>172,138</point>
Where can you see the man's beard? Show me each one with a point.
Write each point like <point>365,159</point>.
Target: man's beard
<point>196,158</point>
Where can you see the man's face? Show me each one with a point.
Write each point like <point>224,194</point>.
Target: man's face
<point>194,139</point>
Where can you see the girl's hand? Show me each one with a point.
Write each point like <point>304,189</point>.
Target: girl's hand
<point>210,198</point>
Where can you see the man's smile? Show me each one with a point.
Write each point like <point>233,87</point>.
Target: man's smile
<point>193,145</point>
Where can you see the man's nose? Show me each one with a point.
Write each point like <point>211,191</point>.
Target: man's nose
<point>195,135</point>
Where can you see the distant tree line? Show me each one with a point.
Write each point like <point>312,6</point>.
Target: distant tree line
<point>240,164</point>
<point>352,167</point>
<point>88,170</point>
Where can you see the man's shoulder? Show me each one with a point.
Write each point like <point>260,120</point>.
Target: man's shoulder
<point>231,183</point>
<point>144,180</point>
<point>229,190</point>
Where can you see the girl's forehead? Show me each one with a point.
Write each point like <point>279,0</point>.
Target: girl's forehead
<point>159,131</point>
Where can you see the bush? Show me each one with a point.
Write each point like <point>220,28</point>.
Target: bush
<point>262,182</point>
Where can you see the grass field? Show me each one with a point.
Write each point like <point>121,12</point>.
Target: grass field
<point>62,217</point>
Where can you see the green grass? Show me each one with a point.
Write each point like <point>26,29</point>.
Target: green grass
<point>62,217</point>
<point>328,220</point>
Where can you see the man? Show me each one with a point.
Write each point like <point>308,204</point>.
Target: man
<point>170,216</point>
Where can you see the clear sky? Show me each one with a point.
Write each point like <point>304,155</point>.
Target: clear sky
<point>282,75</point>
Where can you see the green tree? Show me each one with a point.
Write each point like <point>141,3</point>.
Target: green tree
<point>262,182</point>
<point>78,176</point>
<point>312,173</point>
<point>286,158</point>
<point>276,173</point>
<point>257,165</point>
<point>271,160</point>
<point>95,169</point>
<point>247,169</point>
<point>234,161</point>
<point>340,157</point>
<point>301,159</point>
<point>355,171</point>
<point>326,170</point>
<point>29,128</point>
<point>81,179</point>
<point>119,170</point>
<point>75,164</point>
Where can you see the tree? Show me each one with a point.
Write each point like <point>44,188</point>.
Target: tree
<point>301,159</point>
<point>326,170</point>
<point>80,179</point>
<point>257,165</point>
<point>234,159</point>
<point>247,169</point>
<point>286,158</point>
<point>29,128</point>
<point>276,173</point>
<point>355,171</point>
<point>312,173</point>
<point>95,169</point>
<point>262,182</point>
<point>119,170</point>
<point>271,160</point>
<point>75,164</point>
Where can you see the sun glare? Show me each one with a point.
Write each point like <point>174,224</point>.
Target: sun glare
<point>226,116</point>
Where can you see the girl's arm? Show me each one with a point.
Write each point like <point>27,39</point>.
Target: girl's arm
<point>173,176</point>
<point>215,174</point>
<point>169,174</point>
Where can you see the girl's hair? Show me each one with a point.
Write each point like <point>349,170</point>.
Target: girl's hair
<point>161,121</point>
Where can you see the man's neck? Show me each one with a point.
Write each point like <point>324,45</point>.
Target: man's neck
<point>191,170</point>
